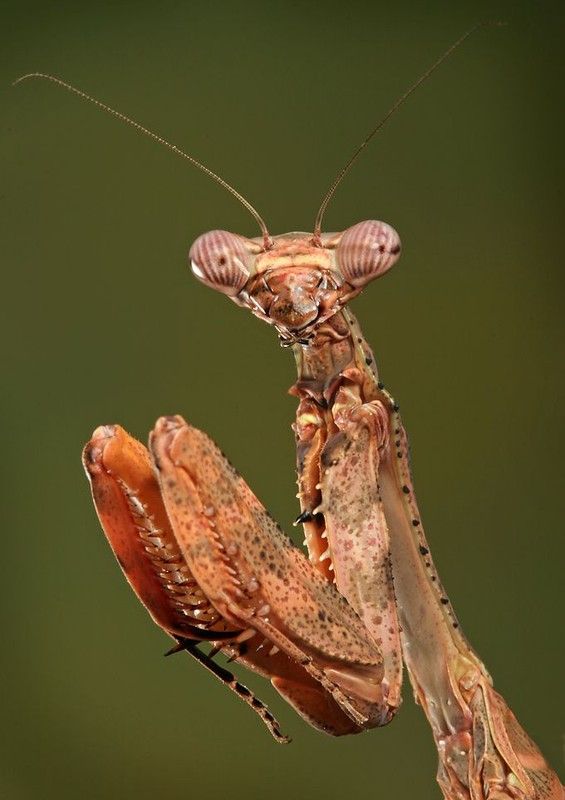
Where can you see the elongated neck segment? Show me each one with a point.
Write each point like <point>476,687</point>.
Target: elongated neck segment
<point>343,403</point>
<point>337,346</point>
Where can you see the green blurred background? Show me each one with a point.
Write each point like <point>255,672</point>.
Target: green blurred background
<point>104,323</point>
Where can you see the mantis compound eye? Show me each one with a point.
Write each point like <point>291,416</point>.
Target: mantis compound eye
<point>219,259</point>
<point>366,251</point>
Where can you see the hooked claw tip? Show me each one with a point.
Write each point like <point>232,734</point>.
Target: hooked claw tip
<point>169,424</point>
<point>103,432</point>
<point>94,449</point>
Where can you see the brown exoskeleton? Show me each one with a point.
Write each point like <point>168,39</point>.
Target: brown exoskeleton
<point>210,565</point>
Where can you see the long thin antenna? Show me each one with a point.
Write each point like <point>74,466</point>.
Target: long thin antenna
<point>142,129</point>
<point>345,169</point>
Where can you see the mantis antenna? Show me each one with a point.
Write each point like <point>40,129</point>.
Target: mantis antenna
<point>267,242</point>
<point>347,166</point>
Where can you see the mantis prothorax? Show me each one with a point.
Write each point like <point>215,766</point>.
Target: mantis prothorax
<point>209,564</point>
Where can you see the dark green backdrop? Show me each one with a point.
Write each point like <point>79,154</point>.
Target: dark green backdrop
<point>104,323</point>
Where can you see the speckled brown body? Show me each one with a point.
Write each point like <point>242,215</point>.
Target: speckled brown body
<point>209,563</point>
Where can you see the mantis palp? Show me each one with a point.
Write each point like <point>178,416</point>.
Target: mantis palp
<point>209,563</point>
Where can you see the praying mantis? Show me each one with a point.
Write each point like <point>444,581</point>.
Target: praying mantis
<point>331,632</point>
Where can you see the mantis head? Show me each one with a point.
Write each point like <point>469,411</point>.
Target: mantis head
<point>296,281</point>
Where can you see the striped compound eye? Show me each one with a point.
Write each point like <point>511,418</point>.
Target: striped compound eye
<point>219,259</point>
<point>366,251</point>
